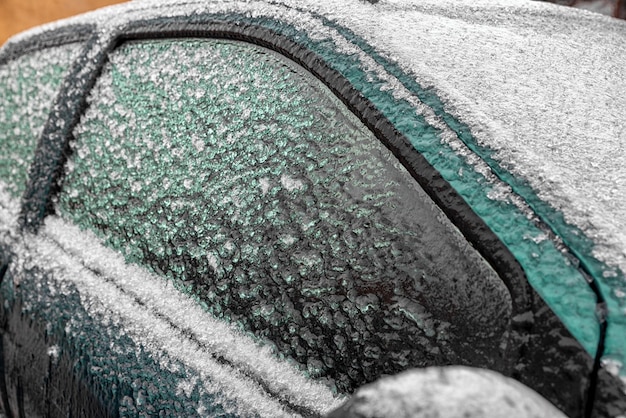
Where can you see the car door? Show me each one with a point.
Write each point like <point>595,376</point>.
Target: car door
<point>240,219</point>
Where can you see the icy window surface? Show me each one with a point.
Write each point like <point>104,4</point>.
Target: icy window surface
<point>28,86</point>
<point>239,177</point>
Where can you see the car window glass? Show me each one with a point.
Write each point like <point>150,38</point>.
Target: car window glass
<point>28,86</point>
<point>232,172</point>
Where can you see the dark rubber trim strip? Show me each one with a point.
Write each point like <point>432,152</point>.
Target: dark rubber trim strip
<point>53,147</point>
<point>4,392</point>
<point>594,378</point>
<point>4,265</point>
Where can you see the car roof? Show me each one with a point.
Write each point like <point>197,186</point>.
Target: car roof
<point>533,90</point>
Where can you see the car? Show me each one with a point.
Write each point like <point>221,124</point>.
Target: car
<point>254,208</point>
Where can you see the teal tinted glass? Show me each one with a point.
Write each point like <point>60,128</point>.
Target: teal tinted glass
<point>28,86</point>
<point>232,172</point>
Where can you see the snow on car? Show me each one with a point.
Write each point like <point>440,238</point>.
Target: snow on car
<point>255,208</point>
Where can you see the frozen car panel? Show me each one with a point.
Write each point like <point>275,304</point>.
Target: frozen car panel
<point>243,180</point>
<point>380,85</point>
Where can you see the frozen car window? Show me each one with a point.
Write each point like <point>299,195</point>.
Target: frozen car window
<point>240,178</point>
<point>28,86</point>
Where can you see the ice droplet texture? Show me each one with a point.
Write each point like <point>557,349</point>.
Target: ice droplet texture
<point>240,178</point>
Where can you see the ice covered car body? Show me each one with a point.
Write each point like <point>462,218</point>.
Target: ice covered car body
<point>254,208</point>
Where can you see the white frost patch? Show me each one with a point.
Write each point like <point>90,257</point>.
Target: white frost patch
<point>290,183</point>
<point>198,143</point>
<point>287,239</point>
<point>537,239</point>
<point>213,262</point>
<point>135,187</point>
<point>186,387</point>
<point>615,367</point>
<point>9,208</point>
<point>264,183</point>
<point>612,366</point>
<point>53,352</point>
<point>149,322</point>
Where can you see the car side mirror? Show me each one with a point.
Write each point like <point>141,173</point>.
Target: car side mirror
<point>453,391</point>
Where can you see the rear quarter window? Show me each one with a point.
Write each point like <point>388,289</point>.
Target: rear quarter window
<point>239,177</point>
<point>28,87</point>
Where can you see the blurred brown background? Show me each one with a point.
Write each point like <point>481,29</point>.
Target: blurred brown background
<point>19,15</point>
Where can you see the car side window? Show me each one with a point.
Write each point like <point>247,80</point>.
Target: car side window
<point>28,86</point>
<point>231,171</point>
